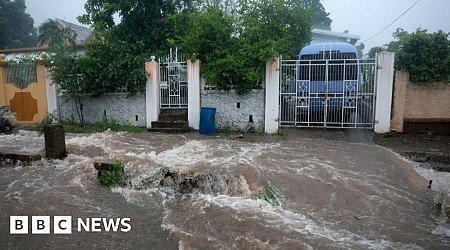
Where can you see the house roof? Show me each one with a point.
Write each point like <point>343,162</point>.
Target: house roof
<point>31,49</point>
<point>335,34</point>
<point>82,33</point>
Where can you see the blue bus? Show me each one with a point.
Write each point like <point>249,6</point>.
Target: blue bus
<point>328,84</point>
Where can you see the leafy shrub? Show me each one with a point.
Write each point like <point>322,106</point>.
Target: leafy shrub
<point>425,56</point>
<point>113,177</point>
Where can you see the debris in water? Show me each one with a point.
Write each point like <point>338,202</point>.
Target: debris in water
<point>270,194</point>
<point>205,183</point>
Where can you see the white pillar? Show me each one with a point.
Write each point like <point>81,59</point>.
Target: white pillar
<point>152,92</point>
<point>385,81</point>
<point>193,78</point>
<point>52,94</point>
<point>272,94</point>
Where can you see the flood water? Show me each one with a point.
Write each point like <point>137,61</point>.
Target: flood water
<point>332,195</point>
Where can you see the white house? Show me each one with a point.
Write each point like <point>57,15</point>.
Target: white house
<point>328,36</point>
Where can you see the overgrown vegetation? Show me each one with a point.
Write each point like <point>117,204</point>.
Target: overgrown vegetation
<point>226,128</point>
<point>113,177</point>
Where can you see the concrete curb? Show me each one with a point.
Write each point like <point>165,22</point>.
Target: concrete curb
<point>25,158</point>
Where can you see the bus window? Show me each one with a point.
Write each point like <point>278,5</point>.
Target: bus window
<point>332,62</point>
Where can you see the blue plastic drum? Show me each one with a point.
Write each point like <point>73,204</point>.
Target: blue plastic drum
<point>207,121</point>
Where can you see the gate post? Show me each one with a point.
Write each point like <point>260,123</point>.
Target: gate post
<point>3,100</point>
<point>272,96</point>
<point>50,86</point>
<point>152,90</point>
<point>193,78</point>
<point>52,94</point>
<point>384,83</point>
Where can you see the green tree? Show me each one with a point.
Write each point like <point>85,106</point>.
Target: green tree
<point>226,5</point>
<point>425,56</point>
<point>208,36</point>
<point>65,70</point>
<point>319,17</point>
<point>375,50</point>
<point>109,64</point>
<point>360,47</point>
<point>399,35</point>
<point>63,63</point>
<point>16,26</point>
<point>115,57</point>
<point>140,21</point>
<point>53,33</point>
<point>234,39</point>
<point>235,48</point>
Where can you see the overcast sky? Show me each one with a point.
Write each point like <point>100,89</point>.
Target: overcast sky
<point>361,17</point>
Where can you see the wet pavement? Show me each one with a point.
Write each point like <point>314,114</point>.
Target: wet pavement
<point>338,190</point>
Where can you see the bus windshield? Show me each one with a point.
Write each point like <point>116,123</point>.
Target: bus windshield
<point>328,62</point>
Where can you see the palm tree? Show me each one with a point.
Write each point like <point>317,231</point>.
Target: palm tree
<point>52,32</point>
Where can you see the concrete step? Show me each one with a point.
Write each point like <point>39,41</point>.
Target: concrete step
<point>173,115</point>
<point>170,124</point>
<point>169,130</point>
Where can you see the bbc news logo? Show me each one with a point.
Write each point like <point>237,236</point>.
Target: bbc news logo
<point>63,225</point>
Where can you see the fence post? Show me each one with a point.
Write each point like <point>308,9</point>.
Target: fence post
<point>152,91</point>
<point>398,112</point>
<point>385,80</point>
<point>193,78</point>
<point>272,95</point>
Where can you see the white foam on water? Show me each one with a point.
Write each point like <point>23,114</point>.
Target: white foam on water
<point>228,155</point>
<point>282,219</point>
<point>102,140</point>
<point>16,195</point>
<point>441,180</point>
<point>215,154</point>
<point>136,197</point>
<point>442,229</point>
<point>24,142</point>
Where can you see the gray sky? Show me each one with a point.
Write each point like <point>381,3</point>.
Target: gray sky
<point>368,17</point>
<point>361,17</point>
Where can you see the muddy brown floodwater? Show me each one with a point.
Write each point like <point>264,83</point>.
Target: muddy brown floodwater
<point>332,194</point>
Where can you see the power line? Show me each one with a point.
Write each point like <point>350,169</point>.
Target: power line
<point>392,22</point>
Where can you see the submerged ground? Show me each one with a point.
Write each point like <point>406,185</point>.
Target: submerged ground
<point>337,190</point>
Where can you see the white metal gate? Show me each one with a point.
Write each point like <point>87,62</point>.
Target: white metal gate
<point>334,93</point>
<point>174,86</point>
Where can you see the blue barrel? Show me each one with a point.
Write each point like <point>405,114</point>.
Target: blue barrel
<point>207,121</point>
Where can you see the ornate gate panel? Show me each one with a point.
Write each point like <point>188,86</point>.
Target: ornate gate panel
<point>174,87</point>
<point>327,93</point>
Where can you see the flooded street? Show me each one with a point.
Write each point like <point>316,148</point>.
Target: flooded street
<point>330,194</point>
